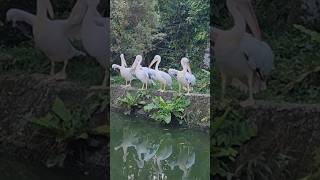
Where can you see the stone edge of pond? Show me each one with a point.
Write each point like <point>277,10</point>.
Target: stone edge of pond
<point>197,114</point>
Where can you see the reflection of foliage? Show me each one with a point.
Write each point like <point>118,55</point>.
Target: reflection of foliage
<point>228,132</point>
<point>162,110</point>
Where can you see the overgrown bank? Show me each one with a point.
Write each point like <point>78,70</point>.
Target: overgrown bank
<point>53,123</point>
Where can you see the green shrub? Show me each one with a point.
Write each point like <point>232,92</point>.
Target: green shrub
<point>163,111</point>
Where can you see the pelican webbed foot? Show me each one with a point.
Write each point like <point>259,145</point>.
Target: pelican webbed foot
<point>247,103</point>
<point>60,76</point>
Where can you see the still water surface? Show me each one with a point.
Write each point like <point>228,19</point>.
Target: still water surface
<point>141,150</point>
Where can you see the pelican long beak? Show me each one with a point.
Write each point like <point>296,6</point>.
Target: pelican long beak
<point>134,64</point>
<point>248,12</point>
<point>123,61</point>
<point>152,62</point>
<point>49,8</point>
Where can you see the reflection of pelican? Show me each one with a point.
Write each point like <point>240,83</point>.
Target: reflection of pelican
<point>243,59</point>
<point>129,140</point>
<point>125,72</point>
<point>94,36</point>
<point>185,161</point>
<point>144,74</point>
<point>151,152</point>
<point>141,148</point>
<point>163,77</point>
<point>52,36</point>
<point>164,151</point>
<point>184,77</point>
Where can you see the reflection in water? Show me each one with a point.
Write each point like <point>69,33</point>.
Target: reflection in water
<point>151,152</point>
<point>185,161</point>
<point>129,139</point>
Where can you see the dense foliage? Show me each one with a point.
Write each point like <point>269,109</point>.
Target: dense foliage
<point>172,29</point>
<point>228,132</point>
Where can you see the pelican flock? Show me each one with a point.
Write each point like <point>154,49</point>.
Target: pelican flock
<point>243,59</point>
<point>52,37</point>
<point>55,37</point>
<point>147,75</point>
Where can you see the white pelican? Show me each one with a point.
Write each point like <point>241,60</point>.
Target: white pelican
<point>185,77</point>
<point>52,36</point>
<point>242,58</point>
<point>95,36</point>
<point>125,72</point>
<point>144,74</point>
<point>163,77</point>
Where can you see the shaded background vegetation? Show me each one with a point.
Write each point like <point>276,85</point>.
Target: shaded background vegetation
<point>17,51</point>
<point>295,52</point>
<point>172,29</point>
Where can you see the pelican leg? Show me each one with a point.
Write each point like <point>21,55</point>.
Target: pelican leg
<point>161,87</point>
<point>223,85</point>
<point>188,88</point>
<point>142,86</point>
<point>179,88</point>
<point>130,83</point>
<point>62,75</point>
<point>106,75</point>
<point>52,68</point>
<point>250,101</point>
<point>164,88</point>
<point>146,86</point>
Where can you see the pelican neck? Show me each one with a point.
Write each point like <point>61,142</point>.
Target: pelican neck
<point>239,27</point>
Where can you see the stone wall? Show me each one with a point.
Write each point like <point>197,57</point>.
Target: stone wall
<point>198,113</point>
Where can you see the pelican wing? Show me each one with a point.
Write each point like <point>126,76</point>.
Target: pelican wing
<point>260,55</point>
<point>173,72</point>
<point>15,15</point>
<point>167,77</point>
<point>191,79</point>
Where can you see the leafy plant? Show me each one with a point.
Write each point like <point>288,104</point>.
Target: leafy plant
<point>228,131</point>
<point>203,81</point>
<point>163,111</point>
<point>64,123</point>
<point>132,102</point>
<point>315,36</point>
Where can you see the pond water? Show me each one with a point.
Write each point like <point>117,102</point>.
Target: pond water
<point>16,170</point>
<point>141,149</point>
